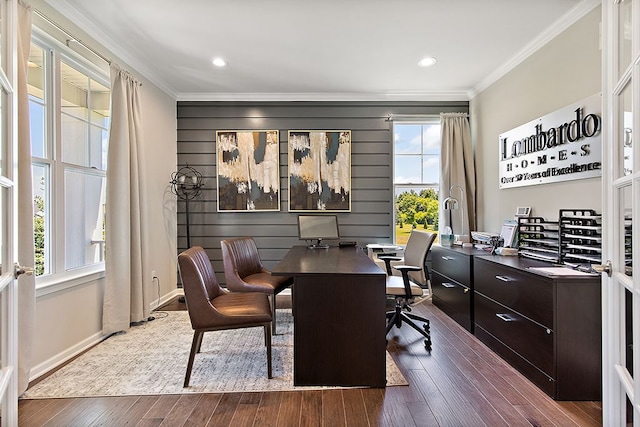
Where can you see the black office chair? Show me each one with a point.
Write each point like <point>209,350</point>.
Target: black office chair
<point>409,289</point>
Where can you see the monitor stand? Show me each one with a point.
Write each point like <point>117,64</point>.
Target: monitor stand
<point>317,245</point>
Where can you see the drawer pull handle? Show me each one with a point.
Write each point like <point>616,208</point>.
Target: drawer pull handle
<point>504,279</point>
<point>466,290</point>
<point>448,258</point>
<point>505,317</point>
<point>448,285</point>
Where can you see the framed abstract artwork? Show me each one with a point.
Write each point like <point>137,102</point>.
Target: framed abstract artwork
<point>248,170</point>
<point>319,170</point>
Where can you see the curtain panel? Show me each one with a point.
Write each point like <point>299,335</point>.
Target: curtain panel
<point>126,298</point>
<point>457,171</point>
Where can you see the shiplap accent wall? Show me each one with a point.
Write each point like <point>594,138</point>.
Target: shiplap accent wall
<point>371,216</point>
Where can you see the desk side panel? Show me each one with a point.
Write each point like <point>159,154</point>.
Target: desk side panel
<point>339,334</point>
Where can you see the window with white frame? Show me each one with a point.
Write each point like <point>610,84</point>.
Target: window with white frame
<point>416,161</point>
<point>69,121</point>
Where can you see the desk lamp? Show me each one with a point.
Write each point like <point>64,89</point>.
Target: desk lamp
<point>451,203</point>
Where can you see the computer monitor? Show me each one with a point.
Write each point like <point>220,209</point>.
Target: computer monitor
<point>316,228</point>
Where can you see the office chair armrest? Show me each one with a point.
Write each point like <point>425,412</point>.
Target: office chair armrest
<point>387,258</point>
<point>407,268</point>
<point>385,254</point>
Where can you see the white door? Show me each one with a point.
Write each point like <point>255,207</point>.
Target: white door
<point>8,203</point>
<point>621,201</point>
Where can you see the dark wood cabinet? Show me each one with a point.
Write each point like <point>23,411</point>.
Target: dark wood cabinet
<point>547,326</point>
<point>452,282</point>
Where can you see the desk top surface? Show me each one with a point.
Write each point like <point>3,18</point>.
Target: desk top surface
<point>301,260</point>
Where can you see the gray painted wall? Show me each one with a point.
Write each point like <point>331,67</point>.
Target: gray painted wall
<point>370,219</point>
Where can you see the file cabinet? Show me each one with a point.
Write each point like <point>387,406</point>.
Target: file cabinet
<point>546,326</point>
<point>452,282</point>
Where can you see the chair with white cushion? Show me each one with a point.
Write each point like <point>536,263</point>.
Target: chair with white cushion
<point>412,286</point>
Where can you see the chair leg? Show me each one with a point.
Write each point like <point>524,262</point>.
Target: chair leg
<point>408,321</point>
<point>398,317</point>
<point>425,332</point>
<point>392,318</point>
<point>195,343</point>
<point>267,338</point>
<point>273,314</point>
<point>199,342</point>
<point>420,319</point>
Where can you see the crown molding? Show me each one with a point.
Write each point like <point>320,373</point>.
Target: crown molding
<point>555,29</point>
<point>78,19</point>
<point>321,96</point>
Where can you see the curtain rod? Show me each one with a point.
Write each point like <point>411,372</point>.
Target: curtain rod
<point>72,37</point>
<point>392,117</point>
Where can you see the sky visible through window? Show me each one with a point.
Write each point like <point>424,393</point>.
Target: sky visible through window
<point>417,153</point>
<point>36,118</point>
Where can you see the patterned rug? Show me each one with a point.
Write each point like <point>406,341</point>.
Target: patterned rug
<point>152,359</point>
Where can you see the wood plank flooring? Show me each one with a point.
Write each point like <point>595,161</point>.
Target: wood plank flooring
<point>461,383</point>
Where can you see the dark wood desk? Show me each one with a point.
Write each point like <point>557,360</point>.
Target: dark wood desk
<point>339,323</point>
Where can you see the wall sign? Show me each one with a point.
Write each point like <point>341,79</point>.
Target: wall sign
<point>560,146</point>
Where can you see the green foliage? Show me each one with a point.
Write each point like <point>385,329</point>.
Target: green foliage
<point>418,208</point>
<point>38,233</point>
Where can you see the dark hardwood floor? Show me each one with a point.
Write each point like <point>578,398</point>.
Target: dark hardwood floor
<point>461,383</point>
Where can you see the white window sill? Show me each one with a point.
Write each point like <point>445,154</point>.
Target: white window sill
<point>52,283</point>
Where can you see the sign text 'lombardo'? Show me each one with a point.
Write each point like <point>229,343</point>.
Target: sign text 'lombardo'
<point>560,146</point>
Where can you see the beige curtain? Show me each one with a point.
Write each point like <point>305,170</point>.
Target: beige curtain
<point>457,168</point>
<point>126,297</point>
<point>26,254</point>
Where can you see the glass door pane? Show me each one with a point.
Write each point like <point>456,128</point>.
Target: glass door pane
<point>625,130</point>
<point>624,36</point>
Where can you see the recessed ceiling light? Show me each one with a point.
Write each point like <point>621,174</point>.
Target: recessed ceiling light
<point>427,62</point>
<point>219,62</point>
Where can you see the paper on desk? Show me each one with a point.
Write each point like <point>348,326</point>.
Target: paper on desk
<point>560,271</point>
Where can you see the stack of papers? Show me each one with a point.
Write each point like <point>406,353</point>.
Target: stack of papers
<point>559,271</point>
<point>483,236</point>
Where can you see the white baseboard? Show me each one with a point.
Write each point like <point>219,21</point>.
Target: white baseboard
<point>71,352</point>
<point>62,357</point>
<point>166,298</point>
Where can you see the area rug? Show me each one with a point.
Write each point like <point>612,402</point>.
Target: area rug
<point>152,359</point>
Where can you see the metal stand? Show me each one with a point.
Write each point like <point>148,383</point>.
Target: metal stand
<point>186,183</point>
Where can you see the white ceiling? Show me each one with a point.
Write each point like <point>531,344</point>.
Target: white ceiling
<point>323,49</point>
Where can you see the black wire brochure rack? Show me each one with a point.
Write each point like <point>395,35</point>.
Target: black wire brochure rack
<point>580,236</point>
<point>538,239</point>
<point>575,239</point>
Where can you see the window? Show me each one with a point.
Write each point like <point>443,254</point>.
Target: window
<point>416,165</point>
<point>69,121</point>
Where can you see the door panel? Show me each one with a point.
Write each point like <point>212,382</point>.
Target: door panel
<point>8,198</point>
<point>621,199</point>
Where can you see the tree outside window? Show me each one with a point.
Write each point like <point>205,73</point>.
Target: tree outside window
<point>416,177</point>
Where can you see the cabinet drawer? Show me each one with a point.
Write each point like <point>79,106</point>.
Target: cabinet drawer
<point>542,380</point>
<point>452,298</point>
<point>530,340</point>
<point>528,295</point>
<point>454,265</point>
